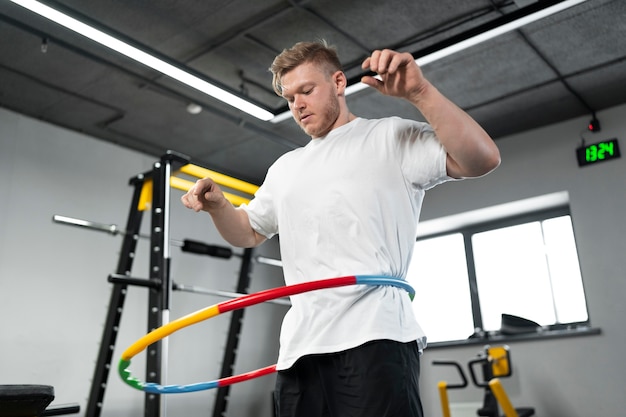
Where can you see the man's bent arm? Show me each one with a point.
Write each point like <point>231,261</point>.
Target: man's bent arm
<point>471,151</point>
<point>234,226</point>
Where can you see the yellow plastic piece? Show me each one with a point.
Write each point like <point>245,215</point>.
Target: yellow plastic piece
<point>443,396</point>
<point>221,179</point>
<point>168,329</point>
<point>145,198</point>
<point>503,399</point>
<point>181,184</point>
<point>499,359</point>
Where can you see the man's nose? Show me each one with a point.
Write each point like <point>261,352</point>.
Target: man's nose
<point>298,102</point>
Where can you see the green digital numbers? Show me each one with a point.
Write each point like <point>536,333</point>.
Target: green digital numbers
<point>598,152</point>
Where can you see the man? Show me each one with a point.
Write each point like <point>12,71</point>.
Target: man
<point>347,203</point>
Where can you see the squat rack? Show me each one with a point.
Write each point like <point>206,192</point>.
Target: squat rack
<point>152,190</point>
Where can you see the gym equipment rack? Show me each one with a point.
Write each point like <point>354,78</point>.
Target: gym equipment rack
<point>157,184</point>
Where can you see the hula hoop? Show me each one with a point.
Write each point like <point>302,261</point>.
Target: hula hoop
<point>231,305</point>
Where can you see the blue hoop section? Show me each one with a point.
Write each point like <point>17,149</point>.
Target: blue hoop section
<point>382,280</point>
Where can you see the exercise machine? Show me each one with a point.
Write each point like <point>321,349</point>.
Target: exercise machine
<point>494,363</point>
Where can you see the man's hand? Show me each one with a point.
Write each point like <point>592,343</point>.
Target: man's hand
<point>400,76</point>
<point>205,195</point>
<point>231,222</point>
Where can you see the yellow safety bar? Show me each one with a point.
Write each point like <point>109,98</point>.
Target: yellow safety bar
<point>221,179</point>
<point>443,397</point>
<point>503,399</point>
<point>195,171</point>
<point>185,185</point>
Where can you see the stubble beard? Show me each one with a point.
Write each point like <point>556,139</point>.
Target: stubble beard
<point>328,118</point>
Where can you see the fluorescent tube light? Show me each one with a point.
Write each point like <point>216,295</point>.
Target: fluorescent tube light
<point>495,32</point>
<point>475,40</point>
<point>145,58</point>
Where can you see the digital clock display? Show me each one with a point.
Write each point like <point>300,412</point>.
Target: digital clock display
<point>597,152</point>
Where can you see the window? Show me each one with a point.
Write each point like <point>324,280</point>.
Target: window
<point>442,300</point>
<point>524,265</point>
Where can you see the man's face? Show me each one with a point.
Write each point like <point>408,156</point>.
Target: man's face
<point>312,98</point>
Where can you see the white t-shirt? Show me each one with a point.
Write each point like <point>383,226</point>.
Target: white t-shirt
<point>348,204</point>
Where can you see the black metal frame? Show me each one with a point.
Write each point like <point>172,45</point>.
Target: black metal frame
<point>116,305</point>
<point>232,342</point>
<point>160,288</point>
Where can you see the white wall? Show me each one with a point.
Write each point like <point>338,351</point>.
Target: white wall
<point>54,292</point>
<point>573,377</point>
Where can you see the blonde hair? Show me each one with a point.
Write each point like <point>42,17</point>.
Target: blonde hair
<point>319,53</point>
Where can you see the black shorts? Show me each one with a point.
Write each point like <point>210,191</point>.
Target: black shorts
<point>377,379</point>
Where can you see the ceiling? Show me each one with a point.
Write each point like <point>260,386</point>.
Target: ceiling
<point>567,65</point>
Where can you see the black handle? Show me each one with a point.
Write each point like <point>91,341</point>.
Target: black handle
<point>201,248</point>
<point>470,366</point>
<point>463,384</point>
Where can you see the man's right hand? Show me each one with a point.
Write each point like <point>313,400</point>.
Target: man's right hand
<point>204,195</point>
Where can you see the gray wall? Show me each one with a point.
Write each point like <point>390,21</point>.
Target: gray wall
<point>54,294</point>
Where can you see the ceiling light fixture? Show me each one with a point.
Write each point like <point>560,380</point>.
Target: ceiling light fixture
<point>193,108</point>
<point>145,59</point>
<point>467,43</point>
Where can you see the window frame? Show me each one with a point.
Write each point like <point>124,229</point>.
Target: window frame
<point>482,337</point>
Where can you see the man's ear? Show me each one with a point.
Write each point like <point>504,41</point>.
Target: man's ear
<point>340,81</point>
